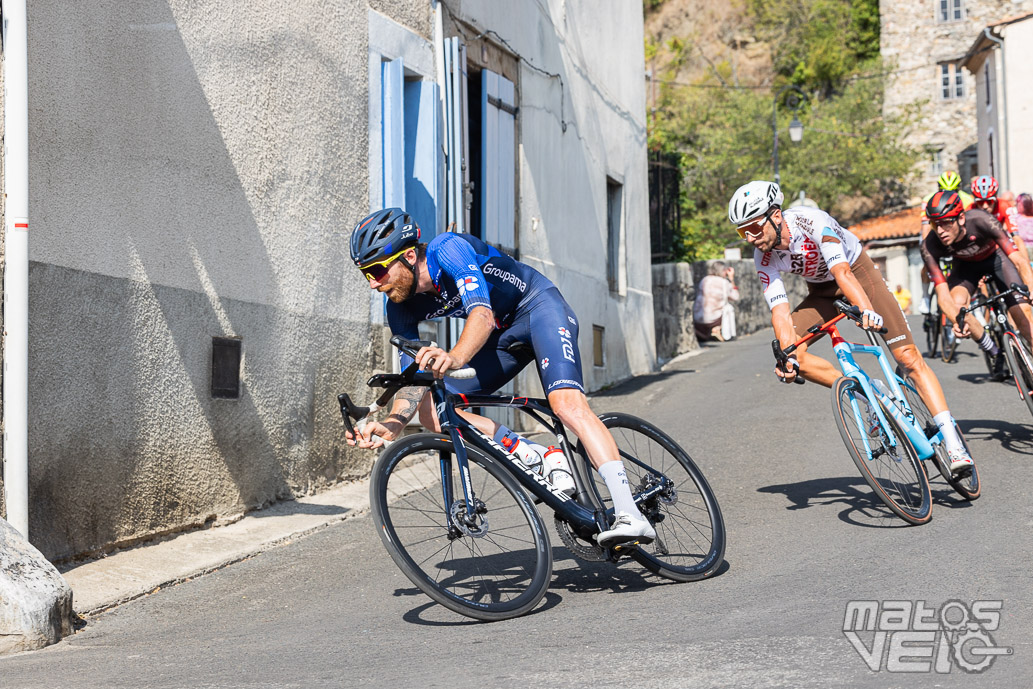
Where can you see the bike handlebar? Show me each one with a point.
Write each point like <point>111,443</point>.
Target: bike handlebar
<point>782,357</point>
<point>846,311</point>
<point>392,383</point>
<point>854,313</point>
<point>980,302</point>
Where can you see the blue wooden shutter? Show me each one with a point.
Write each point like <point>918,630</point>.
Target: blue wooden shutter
<point>392,111</point>
<point>422,155</point>
<point>498,161</point>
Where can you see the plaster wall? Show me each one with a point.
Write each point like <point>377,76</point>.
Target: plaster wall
<point>195,168</point>
<point>581,93</point>
<point>1018,72</point>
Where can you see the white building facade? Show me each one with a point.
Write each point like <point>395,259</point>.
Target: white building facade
<point>923,44</point>
<point>1001,61</point>
<point>195,172</point>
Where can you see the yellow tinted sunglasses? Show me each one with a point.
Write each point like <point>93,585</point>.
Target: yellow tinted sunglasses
<point>378,269</point>
<point>742,230</point>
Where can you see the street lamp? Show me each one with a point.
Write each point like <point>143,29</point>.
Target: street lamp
<point>795,127</point>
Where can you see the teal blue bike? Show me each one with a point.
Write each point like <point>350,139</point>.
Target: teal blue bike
<point>887,428</point>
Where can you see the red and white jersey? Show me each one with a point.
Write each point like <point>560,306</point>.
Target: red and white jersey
<point>816,243</point>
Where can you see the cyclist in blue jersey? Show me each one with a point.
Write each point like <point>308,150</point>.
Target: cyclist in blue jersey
<point>514,315</point>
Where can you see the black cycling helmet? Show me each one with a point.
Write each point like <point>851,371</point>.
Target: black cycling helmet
<point>944,205</point>
<point>382,234</point>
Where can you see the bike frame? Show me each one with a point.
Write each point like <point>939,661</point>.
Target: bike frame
<point>845,351</point>
<point>999,322</point>
<point>586,521</point>
<point>906,418</point>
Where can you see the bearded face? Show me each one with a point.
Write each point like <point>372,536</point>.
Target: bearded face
<point>398,283</point>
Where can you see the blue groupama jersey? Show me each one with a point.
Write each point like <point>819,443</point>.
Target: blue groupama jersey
<point>468,273</point>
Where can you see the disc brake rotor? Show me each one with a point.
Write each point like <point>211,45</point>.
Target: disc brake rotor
<point>475,525</point>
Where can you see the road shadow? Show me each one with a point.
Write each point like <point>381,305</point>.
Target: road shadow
<point>633,385</point>
<point>625,576</point>
<point>982,379</point>
<point>573,575</point>
<point>290,507</point>
<point>432,614</point>
<point>862,507</point>
<point>1014,437</point>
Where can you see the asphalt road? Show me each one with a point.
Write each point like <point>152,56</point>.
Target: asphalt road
<point>805,537</point>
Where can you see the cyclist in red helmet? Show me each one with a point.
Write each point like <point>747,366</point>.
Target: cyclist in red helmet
<point>985,197</point>
<point>980,246</point>
<point>948,181</point>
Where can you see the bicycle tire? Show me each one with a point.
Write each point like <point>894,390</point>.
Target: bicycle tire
<point>931,326</point>
<point>500,573</point>
<point>948,340</point>
<point>1021,368</point>
<point>967,486</point>
<point>690,530</point>
<point>901,482</point>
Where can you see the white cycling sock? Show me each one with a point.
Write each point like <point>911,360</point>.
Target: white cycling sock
<point>617,483</point>
<point>950,434</point>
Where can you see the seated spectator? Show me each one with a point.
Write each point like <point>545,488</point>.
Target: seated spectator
<point>712,312</point>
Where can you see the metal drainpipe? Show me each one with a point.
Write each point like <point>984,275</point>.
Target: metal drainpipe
<point>16,265</point>
<point>1006,182</point>
<point>439,67</point>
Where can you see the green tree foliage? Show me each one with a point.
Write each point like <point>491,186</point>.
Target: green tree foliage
<point>815,44</point>
<point>852,159</point>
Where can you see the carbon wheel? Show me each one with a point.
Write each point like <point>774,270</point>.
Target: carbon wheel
<point>931,326</point>
<point>1021,367</point>
<point>948,340</point>
<point>690,531</point>
<point>491,561</point>
<point>966,486</point>
<point>892,469</point>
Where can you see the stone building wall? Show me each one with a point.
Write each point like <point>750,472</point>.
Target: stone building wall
<point>674,291</point>
<point>914,44</point>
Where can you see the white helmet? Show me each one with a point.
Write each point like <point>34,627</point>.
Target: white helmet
<point>752,200</point>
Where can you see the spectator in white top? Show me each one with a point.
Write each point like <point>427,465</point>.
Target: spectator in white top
<point>712,312</point>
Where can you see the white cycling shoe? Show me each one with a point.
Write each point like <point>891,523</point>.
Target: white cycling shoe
<point>627,528</point>
<point>960,462</point>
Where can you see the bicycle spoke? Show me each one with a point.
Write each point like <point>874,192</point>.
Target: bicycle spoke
<point>491,562</point>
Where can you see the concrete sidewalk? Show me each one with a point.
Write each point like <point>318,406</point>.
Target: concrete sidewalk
<point>127,574</point>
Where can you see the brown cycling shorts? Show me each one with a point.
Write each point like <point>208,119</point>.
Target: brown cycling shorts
<point>819,304</point>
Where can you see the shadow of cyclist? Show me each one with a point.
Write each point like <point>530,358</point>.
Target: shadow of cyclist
<point>1014,437</point>
<point>863,508</point>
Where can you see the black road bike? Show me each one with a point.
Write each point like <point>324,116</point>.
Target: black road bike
<point>1020,362</point>
<point>457,513</point>
<point>939,336</point>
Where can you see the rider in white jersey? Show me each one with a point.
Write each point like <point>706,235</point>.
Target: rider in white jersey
<point>811,243</point>
<point>807,254</point>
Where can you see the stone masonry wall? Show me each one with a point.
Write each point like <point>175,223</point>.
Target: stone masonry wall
<point>914,43</point>
<point>674,290</point>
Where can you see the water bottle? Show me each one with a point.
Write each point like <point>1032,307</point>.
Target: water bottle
<point>557,470</point>
<point>526,452</point>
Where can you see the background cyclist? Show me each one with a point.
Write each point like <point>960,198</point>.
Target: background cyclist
<point>948,181</point>
<point>809,242</point>
<point>510,309</point>
<point>980,247</point>
<point>984,193</point>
